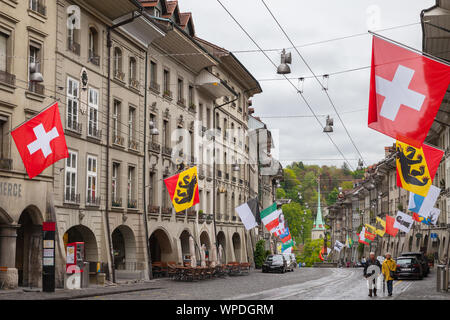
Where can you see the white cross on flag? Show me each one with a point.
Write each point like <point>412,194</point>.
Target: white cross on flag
<point>406,91</point>
<point>40,141</point>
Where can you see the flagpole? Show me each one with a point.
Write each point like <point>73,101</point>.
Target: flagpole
<point>437,59</point>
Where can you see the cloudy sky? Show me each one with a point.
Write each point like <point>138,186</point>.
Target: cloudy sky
<point>309,21</point>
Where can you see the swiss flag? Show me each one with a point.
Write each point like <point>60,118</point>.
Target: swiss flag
<point>40,141</point>
<point>406,91</point>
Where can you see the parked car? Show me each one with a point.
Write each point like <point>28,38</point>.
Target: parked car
<point>275,262</point>
<point>294,259</point>
<point>289,261</point>
<point>422,260</point>
<point>408,267</point>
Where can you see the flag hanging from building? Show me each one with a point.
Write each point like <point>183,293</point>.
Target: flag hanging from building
<point>41,141</point>
<point>406,91</point>
<point>423,205</point>
<point>381,231</point>
<point>416,167</point>
<point>322,254</point>
<point>247,213</point>
<point>390,229</point>
<point>349,242</point>
<point>403,222</point>
<point>183,189</point>
<point>281,228</point>
<point>365,236</point>
<point>286,236</point>
<point>432,218</point>
<point>370,228</point>
<point>287,250</point>
<point>338,246</point>
<point>286,245</point>
<point>270,217</point>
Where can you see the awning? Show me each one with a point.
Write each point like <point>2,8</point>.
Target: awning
<point>211,84</point>
<point>113,9</point>
<point>141,29</point>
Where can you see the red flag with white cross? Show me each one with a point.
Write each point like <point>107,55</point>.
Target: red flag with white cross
<point>40,141</point>
<point>406,91</point>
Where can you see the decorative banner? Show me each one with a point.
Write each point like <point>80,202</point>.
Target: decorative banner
<point>403,222</point>
<point>406,91</point>
<point>183,189</point>
<point>322,254</point>
<point>338,246</point>
<point>286,236</point>
<point>288,250</point>
<point>382,230</point>
<point>423,205</point>
<point>390,230</point>
<point>270,217</point>
<point>431,219</point>
<point>280,229</point>
<point>349,242</point>
<point>247,213</point>
<point>416,167</point>
<point>365,237</point>
<point>286,245</point>
<point>371,228</point>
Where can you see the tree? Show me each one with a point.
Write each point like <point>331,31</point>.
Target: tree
<point>260,254</point>
<point>332,197</point>
<point>281,194</point>
<point>347,185</point>
<point>311,252</point>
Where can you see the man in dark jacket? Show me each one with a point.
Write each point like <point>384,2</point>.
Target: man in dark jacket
<point>372,261</point>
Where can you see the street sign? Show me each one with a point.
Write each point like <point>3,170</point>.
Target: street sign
<point>48,257</point>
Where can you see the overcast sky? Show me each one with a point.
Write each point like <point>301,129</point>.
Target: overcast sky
<point>309,21</point>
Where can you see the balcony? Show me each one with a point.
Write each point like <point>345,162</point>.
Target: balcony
<point>202,217</point>
<point>94,133</point>
<point>134,84</point>
<point>71,197</point>
<point>168,94</point>
<point>155,87</point>
<point>154,147</point>
<point>153,210</point>
<point>133,145</point>
<point>7,78</point>
<point>118,140</point>
<point>166,211</point>
<point>226,217</point>
<point>192,214</point>
<point>132,204</point>
<point>119,75</point>
<point>201,173</point>
<point>167,151</point>
<point>94,58</point>
<point>116,203</point>
<point>38,6</point>
<point>5,164</point>
<point>74,126</point>
<point>209,218</point>
<point>36,88</point>
<point>181,102</point>
<point>93,201</point>
<point>73,46</point>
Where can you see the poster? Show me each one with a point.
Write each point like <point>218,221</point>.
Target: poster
<point>70,255</point>
<point>49,244</point>
<point>48,262</point>
<point>48,252</point>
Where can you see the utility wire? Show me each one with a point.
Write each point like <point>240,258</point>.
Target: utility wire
<point>293,85</point>
<point>320,83</point>
<point>306,116</point>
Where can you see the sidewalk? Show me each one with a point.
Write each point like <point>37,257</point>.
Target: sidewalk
<point>91,291</point>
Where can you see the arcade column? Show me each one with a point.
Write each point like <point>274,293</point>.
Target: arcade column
<point>8,272</point>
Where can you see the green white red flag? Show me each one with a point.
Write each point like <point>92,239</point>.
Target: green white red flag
<point>270,217</point>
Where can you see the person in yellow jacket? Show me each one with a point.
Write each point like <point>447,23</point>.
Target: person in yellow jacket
<point>387,268</point>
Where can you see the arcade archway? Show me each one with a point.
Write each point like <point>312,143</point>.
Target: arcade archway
<point>160,247</point>
<point>124,248</point>
<point>81,233</point>
<point>237,246</point>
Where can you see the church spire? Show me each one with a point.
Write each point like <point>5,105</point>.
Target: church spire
<point>318,223</point>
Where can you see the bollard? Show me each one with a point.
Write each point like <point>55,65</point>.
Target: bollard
<point>441,278</point>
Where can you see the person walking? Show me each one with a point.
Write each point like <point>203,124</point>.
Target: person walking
<point>388,268</point>
<point>372,280</point>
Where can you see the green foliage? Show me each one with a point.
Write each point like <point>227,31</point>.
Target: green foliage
<point>332,196</point>
<point>281,194</point>
<point>260,254</point>
<point>311,252</point>
<point>295,215</point>
<point>347,185</point>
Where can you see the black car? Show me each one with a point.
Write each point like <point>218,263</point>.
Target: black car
<point>408,267</point>
<point>422,260</point>
<point>275,262</point>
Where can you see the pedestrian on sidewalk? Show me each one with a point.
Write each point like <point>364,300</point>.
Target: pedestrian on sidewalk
<point>388,268</point>
<point>372,281</point>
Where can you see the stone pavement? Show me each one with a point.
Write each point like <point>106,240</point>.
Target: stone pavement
<point>91,291</point>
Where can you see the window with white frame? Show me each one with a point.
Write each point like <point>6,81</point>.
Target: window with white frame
<point>115,184</point>
<point>71,178</point>
<point>91,179</point>
<point>3,51</point>
<point>72,103</point>
<point>93,113</point>
<point>131,121</point>
<point>130,188</point>
<point>116,119</point>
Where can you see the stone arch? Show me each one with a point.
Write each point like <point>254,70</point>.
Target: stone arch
<point>160,245</point>
<point>184,242</point>
<point>29,247</point>
<point>236,239</point>
<point>205,239</point>
<point>5,218</point>
<point>221,240</point>
<point>425,243</point>
<point>81,233</point>
<point>124,246</point>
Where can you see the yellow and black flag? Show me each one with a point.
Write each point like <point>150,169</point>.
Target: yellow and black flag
<point>183,189</point>
<point>416,167</point>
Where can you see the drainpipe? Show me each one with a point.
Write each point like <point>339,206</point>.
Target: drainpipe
<point>108,107</point>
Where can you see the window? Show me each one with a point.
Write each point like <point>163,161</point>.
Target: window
<point>3,138</point>
<point>3,51</point>
<point>130,188</point>
<point>115,185</point>
<point>180,90</point>
<point>73,32</point>
<point>118,63</point>
<point>71,177</point>
<point>93,46</point>
<point>38,6</point>
<point>116,120</point>
<point>153,137</point>
<point>93,113</point>
<point>91,179</point>
<point>131,121</point>
<point>165,132</point>
<point>35,57</point>
<point>132,69</point>
<point>153,73</point>
<point>208,117</point>
<point>157,12</point>
<point>152,189</point>
<point>191,96</point>
<point>72,104</point>
<point>200,112</point>
<point>166,82</point>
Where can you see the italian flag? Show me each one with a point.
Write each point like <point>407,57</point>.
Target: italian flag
<point>270,217</point>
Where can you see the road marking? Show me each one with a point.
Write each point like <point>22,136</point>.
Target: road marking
<point>397,282</point>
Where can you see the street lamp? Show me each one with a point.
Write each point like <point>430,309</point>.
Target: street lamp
<point>35,76</point>
<point>329,125</point>
<point>153,130</point>
<point>236,167</point>
<point>286,58</point>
